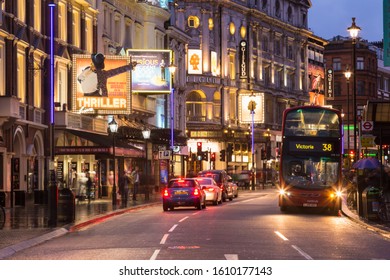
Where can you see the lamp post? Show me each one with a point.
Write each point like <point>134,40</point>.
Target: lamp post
<point>172,70</point>
<point>347,75</point>
<point>146,135</point>
<point>354,33</point>
<point>113,126</point>
<point>252,108</point>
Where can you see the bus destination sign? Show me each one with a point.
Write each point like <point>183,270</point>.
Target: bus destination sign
<point>317,147</point>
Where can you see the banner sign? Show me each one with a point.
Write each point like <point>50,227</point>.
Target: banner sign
<point>386,32</point>
<point>251,102</point>
<point>195,62</point>
<point>329,84</point>
<point>151,75</point>
<point>101,84</point>
<point>243,59</point>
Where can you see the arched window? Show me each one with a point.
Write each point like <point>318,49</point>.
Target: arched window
<point>289,14</point>
<point>217,105</point>
<point>195,107</point>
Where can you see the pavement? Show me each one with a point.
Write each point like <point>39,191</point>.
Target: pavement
<point>27,226</point>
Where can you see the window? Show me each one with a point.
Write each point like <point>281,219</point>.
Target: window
<point>277,9</point>
<point>21,75</point>
<point>37,15</point>
<point>361,88</point>
<point>232,67</point>
<point>290,52</point>
<point>2,70</point>
<point>195,107</point>
<point>264,6</point>
<point>37,85</point>
<point>289,14</point>
<point>193,21</point>
<point>265,43</point>
<point>337,88</point>
<point>89,34</point>
<point>277,47</point>
<point>336,64</point>
<point>21,12</point>
<point>76,28</point>
<point>217,105</point>
<point>62,21</point>
<point>360,63</point>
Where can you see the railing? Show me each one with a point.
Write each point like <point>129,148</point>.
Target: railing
<point>82,122</point>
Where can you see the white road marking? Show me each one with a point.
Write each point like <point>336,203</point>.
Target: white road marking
<point>300,251</point>
<point>185,218</point>
<point>281,236</point>
<point>172,228</point>
<point>231,257</point>
<point>164,239</point>
<point>154,256</point>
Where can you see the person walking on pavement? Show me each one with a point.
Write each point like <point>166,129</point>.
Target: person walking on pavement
<point>135,175</point>
<point>89,186</point>
<point>124,188</point>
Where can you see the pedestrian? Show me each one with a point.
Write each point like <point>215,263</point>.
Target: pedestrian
<point>89,186</point>
<point>124,188</point>
<point>135,176</point>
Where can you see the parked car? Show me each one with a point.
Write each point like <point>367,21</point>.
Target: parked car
<point>233,186</point>
<point>183,192</point>
<point>212,190</point>
<point>221,177</point>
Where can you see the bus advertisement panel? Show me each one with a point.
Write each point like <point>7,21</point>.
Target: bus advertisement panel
<point>310,164</point>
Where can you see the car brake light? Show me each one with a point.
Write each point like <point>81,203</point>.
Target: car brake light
<point>166,193</point>
<point>196,192</point>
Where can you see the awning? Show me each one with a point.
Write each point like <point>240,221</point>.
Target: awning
<point>103,145</point>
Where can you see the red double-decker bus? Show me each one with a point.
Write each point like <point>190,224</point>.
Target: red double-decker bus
<point>311,159</point>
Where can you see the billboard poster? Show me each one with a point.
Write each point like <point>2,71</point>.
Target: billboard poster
<point>101,84</point>
<point>316,85</point>
<point>251,102</point>
<point>214,63</point>
<point>195,62</point>
<point>152,73</point>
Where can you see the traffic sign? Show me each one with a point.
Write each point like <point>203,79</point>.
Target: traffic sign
<point>367,125</point>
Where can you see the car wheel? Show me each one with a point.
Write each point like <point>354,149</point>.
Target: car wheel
<point>204,204</point>
<point>230,198</point>
<point>215,202</point>
<point>165,207</point>
<point>199,206</point>
<point>172,208</point>
<point>224,197</point>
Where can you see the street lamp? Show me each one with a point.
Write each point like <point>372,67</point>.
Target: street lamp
<point>347,75</point>
<point>172,70</point>
<point>146,135</point>
<point>113,126</point>
<point>354,33</point>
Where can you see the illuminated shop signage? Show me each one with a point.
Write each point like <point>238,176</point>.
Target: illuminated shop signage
<point>251,102</point>
<point>151,75</point>
<point>243,58</point>
<point>101,84</point>
<point>329,84</point>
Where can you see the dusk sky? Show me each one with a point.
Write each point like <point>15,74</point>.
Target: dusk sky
<point>329,18</point>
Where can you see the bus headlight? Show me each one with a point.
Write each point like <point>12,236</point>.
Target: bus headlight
<point>282,192</point>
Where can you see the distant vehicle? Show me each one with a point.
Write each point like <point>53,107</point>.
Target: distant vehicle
<point>233,185</point>
<point>311,158</point>
<point>183,192</point>
<point>212,190</point>
<point>221,177</point>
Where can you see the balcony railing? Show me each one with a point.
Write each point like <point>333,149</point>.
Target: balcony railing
<point>82,122</point>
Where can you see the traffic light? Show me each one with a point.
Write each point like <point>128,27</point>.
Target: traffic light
<point>193,156</point>
<point>222,155</point>
<point>351,154</point>
<point>199,148</point>
<point>212,157</point>
<point>205,155</point>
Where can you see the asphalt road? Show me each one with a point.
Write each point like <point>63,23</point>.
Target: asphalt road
<point>251,227</point>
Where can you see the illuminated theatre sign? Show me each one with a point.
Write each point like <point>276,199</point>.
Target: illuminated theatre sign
<point>101,84</point>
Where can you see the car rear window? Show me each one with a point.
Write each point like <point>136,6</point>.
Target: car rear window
<point>215,176</point>
<point>204,181</point>
<point>181,184</point>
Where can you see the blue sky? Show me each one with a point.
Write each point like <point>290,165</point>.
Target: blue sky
<point>329,18</point>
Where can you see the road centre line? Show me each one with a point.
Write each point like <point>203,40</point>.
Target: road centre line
<point>172,228</point>
<point>164,239</point>
<point>185,218</point>
<point>281,236</point>
<point>300,251</point>
<point>155,254</point>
